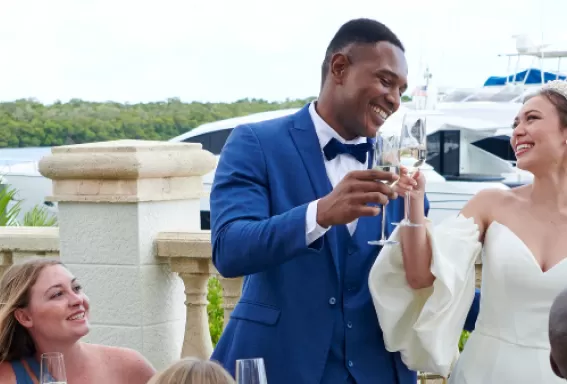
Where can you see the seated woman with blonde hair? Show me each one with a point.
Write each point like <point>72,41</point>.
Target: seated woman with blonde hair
<point>44,309</point>
<point>193,371</point>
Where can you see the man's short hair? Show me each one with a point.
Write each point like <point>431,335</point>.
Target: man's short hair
<point>358,31</point>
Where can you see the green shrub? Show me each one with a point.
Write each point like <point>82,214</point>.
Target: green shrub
<point>463,340</point>
<point>215,310</point>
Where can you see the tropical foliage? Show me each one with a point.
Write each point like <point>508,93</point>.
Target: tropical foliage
<point>28,123</point>
<point>39,217</point>
<point>10,209</point>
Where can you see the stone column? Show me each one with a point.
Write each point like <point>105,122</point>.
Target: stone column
<point>189,254</point>
<point>114,198</point>
<point>232,288</point>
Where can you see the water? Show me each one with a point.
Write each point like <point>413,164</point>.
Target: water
<point>16,155</point>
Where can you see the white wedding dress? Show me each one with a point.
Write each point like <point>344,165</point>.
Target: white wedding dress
<point>510,342</point>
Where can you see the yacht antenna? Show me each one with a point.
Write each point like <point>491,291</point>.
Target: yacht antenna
<point>427,76</point>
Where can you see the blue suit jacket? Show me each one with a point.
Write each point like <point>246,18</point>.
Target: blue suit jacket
<point>267,174</point>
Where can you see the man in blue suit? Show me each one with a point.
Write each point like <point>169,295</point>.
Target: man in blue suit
<point>293,206</point>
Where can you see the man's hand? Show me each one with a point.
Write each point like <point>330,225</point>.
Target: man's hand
<point>350,198</point>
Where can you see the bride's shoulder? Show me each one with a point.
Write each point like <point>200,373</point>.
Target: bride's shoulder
<point>491,197</point>
<point>484,205</point>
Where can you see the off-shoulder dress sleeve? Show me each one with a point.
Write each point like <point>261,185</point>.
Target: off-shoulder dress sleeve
<point>425,325</point>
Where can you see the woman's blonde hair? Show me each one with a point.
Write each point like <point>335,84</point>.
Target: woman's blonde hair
<point>193,371</point>
<point>15,288</point>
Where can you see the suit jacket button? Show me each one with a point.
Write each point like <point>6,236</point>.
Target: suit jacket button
<point>332,301</point>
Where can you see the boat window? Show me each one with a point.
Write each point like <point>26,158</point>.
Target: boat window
<point>497,145</point>
<point>211,141</point>
<point>443,152</point>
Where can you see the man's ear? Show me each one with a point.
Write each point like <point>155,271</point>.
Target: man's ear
<point>338,67</point>
<point>22,316</point>
<point>554,366</point>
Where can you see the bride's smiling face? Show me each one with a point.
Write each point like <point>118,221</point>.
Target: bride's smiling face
<point>540,133</point>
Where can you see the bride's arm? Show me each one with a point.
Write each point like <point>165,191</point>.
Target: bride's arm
<point>416,248</point>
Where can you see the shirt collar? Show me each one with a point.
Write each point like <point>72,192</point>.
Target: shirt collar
<point>324,131</point>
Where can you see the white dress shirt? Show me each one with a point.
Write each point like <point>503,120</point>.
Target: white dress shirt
<point>336,170</point>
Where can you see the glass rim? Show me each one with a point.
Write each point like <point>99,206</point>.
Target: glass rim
<point>51,354</point>
<point>251,359</point>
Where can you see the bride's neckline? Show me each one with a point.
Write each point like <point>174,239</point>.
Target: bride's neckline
<point>532,256</point>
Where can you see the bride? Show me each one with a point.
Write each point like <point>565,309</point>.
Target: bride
<point>422,289</point>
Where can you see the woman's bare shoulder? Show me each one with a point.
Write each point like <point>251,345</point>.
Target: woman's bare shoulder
<point>486,205</point>
<point>127,361</point>
<point>7,375</point>
<point>486,199</point>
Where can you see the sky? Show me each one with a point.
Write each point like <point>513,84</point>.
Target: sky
<point>224,50</point>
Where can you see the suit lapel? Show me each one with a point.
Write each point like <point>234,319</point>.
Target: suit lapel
<point>307,143</point>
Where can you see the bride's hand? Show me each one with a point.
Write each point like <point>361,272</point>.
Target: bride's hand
<point>416,183</point>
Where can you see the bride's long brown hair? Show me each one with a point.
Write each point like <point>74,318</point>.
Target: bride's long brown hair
<point>15,288</point>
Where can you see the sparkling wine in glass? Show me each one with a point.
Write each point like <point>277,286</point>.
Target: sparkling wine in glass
<point>251,371</point>
<point>52,369</point>
<point>386,158</point>
<point>413,153</point>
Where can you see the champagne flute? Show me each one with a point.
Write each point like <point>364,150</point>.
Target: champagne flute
<point>52,369</point>
<point>413,153</point>
<point>386,158</point>
<point>251,371</point>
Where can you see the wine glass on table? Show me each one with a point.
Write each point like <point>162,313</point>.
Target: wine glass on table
<point>413,153</point>
<point>52,369</point>
<point>251,371</point>
<point>386,158</point>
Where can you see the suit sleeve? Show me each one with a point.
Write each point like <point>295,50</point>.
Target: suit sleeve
<point>245,238</point>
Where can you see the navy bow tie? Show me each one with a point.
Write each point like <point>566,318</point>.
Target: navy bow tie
<point>335,147</point>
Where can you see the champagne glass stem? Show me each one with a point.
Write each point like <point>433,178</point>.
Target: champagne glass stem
<point>383,222</point>
<point>407,210</point>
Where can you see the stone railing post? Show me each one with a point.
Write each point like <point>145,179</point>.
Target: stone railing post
<point>114,197</point>
<point>189,254</point>
<point>18,244</point>
<point>232,288</point>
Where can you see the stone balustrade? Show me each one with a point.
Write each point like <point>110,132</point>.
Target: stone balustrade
<point>189,254</point>
<point>129,228</point>
<point>22,243</point>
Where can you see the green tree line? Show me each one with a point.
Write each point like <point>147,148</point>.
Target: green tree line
<point>28,123</point>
